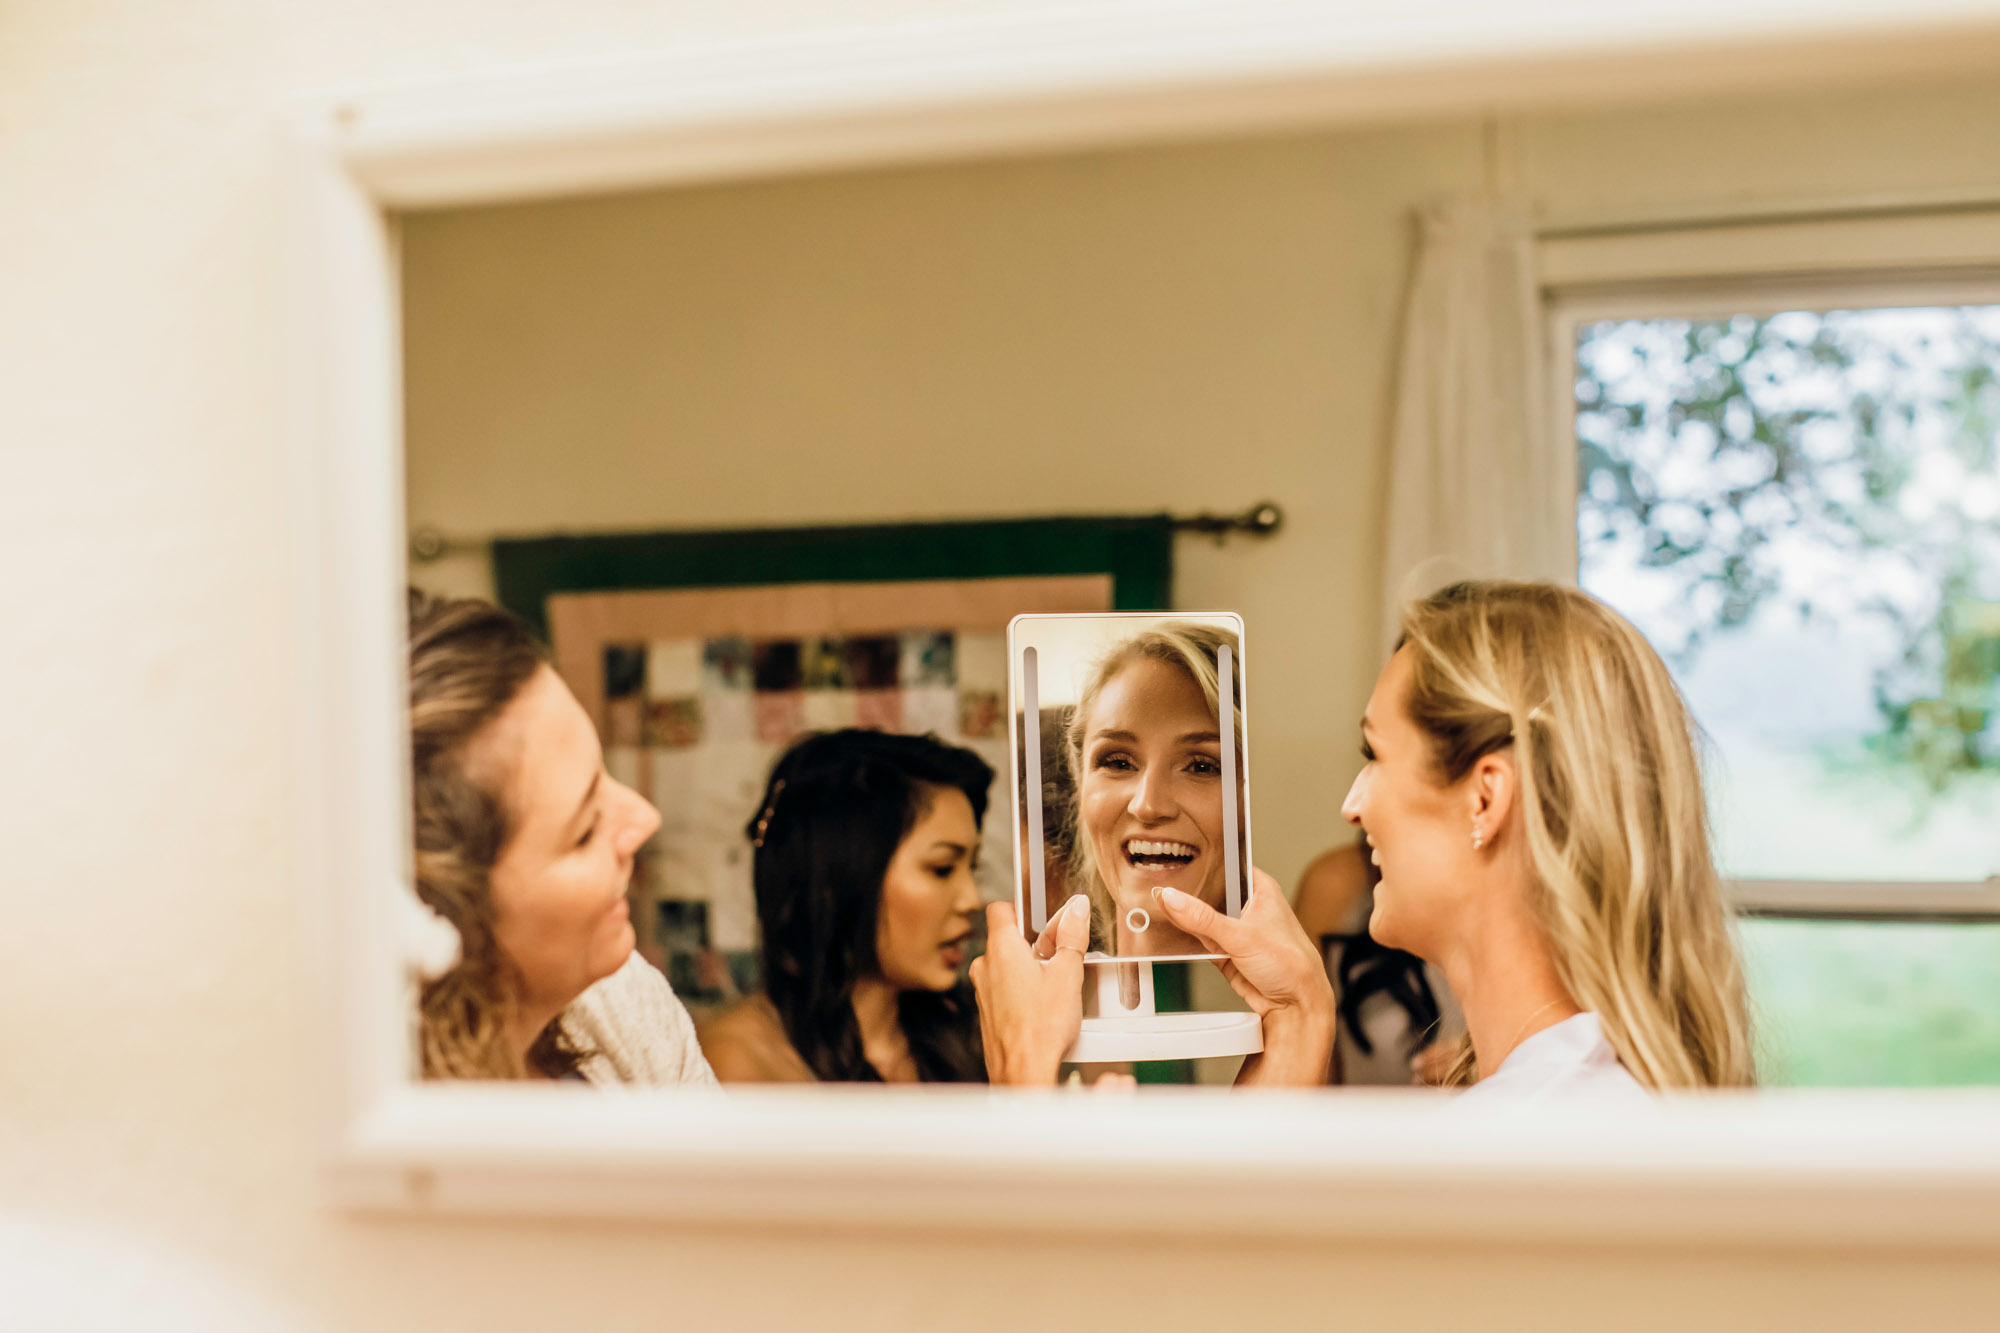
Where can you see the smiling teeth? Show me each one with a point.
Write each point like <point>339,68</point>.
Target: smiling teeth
<point>1138,848</point>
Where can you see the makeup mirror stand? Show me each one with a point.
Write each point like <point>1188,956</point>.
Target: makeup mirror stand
<point>1120,1022</point>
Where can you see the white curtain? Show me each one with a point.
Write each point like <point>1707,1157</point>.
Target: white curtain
<point>1479,485</point>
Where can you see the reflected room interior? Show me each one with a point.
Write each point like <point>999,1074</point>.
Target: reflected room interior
<point>777,457</point>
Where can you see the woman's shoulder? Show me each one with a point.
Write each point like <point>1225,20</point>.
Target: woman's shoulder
<point>752,1019</point>
<point>1567,1061</point>
<point>633,1029</point>
<point>746,1043</point>
<point>1332,891</point>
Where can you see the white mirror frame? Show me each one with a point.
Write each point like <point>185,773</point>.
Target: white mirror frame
<point>1916,1169</point>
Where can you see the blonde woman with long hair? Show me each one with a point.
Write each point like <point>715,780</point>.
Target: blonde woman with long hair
<point>1533,796</point>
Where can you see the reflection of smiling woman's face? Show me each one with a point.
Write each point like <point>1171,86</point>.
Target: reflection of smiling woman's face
<point>1151,796</point>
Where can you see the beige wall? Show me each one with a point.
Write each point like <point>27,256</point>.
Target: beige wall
<point>155,1070</point>
<point>1180,328</point>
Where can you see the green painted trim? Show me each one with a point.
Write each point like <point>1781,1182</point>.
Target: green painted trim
<point>1138,553</point>
<point>1171,988</point>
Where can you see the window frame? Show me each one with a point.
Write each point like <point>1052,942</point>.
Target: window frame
<point>1706,272</point>
<point>1895,1172</point>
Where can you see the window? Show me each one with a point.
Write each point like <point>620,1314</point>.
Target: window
<point>1874,1002</point>
<point>1799,504</point>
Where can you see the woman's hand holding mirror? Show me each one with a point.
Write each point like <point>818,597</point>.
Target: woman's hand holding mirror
<point>1273,965</point>
<point>1031,997</point>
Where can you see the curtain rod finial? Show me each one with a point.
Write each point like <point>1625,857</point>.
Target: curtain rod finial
<point>428,545</point>
<point>1259,520</point>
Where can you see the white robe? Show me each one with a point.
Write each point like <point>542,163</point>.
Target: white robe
<point>1567,1061</point>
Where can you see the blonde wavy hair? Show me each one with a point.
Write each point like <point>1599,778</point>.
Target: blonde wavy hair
<point>468,661</point>
<point>1196,650</point>
<point>1611,802</point>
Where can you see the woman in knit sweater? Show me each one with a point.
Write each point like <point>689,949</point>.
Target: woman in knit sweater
<point>525,845</point>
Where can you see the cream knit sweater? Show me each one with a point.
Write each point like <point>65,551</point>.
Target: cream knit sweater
<point>635,1032</point>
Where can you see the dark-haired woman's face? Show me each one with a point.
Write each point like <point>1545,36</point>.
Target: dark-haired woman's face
<point>559,885</point>
<point>929,897</point>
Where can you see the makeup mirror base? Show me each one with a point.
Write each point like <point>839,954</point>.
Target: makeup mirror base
<point>1166,1037</point>
<point>1121,1024</point>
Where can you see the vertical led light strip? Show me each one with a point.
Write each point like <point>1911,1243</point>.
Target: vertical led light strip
<point>1232,859</point>
<point>1031,791</point>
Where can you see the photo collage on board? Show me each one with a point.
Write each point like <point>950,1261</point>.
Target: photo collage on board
<point>695,724</point>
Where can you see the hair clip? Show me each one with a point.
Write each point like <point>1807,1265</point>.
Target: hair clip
<point>1513,727</point>
<point>764,820</point>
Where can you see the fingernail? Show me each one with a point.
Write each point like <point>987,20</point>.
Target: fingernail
<point>1170,895</point>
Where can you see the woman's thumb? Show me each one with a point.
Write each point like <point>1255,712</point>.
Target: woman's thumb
<point>1193,915</point>
<point>1073,931</point>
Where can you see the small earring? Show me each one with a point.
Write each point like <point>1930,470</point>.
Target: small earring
<point>1478,838</point>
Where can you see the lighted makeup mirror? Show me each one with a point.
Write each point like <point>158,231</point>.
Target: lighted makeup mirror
<point>1131,777</point>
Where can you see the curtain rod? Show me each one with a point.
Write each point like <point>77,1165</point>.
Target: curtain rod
<point>1840,208</point>
<point>429,545</point>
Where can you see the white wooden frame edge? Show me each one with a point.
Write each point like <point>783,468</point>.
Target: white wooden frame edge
<point>1917,1169</point>
<point>1079,75</point>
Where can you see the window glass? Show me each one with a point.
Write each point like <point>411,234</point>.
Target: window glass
<point>1802,512</point>
<point>1874,1003</point>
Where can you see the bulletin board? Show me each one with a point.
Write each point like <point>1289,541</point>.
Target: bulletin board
<point>658,633</point>
<point>697,691</point>
<point>703,653</point>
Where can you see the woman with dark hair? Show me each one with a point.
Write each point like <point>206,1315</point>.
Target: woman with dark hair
<point>865,848</point>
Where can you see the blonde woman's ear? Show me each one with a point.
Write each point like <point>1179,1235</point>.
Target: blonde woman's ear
<point>1493,788</point>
